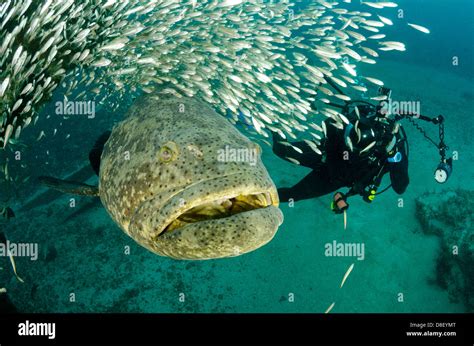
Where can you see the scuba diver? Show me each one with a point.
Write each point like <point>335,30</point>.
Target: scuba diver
<point>357,154</point>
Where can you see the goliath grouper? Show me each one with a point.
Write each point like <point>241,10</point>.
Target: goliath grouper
<point>161,181</point>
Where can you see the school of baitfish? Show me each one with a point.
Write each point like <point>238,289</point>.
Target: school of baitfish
<point>267,61</point>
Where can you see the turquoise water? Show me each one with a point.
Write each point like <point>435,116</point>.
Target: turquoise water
<point>84,266</point>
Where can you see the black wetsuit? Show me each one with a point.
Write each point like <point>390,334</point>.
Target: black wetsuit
<point>332,172</point>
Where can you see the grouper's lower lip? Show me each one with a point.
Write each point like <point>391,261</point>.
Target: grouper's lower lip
<point>239,216</point>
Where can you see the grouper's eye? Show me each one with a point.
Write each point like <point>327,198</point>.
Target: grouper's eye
<point>168,152</point>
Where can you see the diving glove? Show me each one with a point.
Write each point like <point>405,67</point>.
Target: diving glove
<point>339,203</point>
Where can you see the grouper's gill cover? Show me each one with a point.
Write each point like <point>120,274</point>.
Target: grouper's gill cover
<point>163,183</point>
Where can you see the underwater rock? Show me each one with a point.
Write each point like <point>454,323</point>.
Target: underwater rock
<point>6,306</point>
<point>51,253</point>
<point>449,215</point>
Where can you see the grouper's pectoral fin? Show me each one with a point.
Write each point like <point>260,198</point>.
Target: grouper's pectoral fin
<point>70,186</point>
<point>96,152</point>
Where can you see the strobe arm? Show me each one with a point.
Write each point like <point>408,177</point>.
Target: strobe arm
<point>445,167</point>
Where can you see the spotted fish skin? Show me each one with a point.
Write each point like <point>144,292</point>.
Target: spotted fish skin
<point>162,160</point>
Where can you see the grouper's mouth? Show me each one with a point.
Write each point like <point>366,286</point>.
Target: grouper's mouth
<point>220,208</point>
<point>215,218</point>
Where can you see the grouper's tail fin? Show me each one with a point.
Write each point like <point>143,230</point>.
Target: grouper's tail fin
<point>70,187</point>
